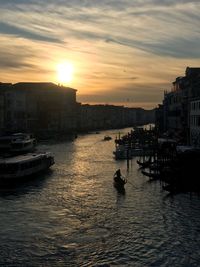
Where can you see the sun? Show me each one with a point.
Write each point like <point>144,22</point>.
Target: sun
<point>65,72</point>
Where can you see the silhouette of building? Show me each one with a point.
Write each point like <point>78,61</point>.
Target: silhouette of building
<point>42,108</point>
<point>177,105</point>
<point>47,109</point>
<point>3,88</point>
<point>97,117</point>
<point>159,118</point>
<point>195,122</point>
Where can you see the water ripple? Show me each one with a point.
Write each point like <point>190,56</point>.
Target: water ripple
<point>73,216</point>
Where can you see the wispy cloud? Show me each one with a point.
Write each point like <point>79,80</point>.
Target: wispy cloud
<point>8,29</point>
<point>152,40</point>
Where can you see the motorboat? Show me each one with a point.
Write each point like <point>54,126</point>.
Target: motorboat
<point>21,166</point>
<point>124,152</point>
<point>17,143</point>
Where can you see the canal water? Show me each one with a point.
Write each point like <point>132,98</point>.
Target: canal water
<point>73,216</point>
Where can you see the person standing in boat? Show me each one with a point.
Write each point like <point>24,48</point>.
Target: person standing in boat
<point>118,176</point>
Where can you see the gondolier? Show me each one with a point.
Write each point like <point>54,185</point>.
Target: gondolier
<point>119,181</point>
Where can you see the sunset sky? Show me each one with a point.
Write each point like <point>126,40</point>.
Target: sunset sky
<point>121,51</point>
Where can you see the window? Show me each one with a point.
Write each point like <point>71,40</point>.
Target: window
<point>198,121</point>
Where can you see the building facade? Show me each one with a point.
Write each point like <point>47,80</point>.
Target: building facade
<point>42,108</point>
<point>195,123</point>
<point>99,117</point>
<point>176,105</point>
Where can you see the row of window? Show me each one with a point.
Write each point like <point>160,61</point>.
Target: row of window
<point>195,121</point>
<point>13,168</point>
<point>195,105</point>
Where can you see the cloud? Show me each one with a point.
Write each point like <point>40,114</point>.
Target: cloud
<point>132,93</point>
<point>9,61</point>
<point>153,40</point>
<point>8,29</point>
<point>178,47</point>
<point>15,56</point>
<point>145,25</point>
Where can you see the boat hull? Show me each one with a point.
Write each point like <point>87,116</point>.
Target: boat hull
<point>13,169</point>
<point>119,187</point>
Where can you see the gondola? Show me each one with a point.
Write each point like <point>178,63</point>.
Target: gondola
<point>119,183</point>
<point>144,164</point>
<point>152,175</point>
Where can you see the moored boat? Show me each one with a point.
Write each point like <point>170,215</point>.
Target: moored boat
<point>144,164</point>
<point>17,143</point>
<point>152,175</point>
<point>122,152</point>
<point>21,166</point>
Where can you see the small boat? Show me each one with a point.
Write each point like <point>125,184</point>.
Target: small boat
<point>119,185</point>
<point>144,164</point>
<point>152,175</point>
<point>21,166</point>
<point>107,138</point>
<point>119,181</point>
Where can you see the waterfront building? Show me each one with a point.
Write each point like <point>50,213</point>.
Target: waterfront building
<point>3,88</point>
<point>47,109</point>
<point>195,123</point>
<point>42,108</point>
<point>144,116</point>
<point>159,115</point>
<point>98,117</point>
<point>176,105</point>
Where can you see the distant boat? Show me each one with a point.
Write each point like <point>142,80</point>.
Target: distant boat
<point>21,166</point>
<point>107,138</point>
<point>124,152</point>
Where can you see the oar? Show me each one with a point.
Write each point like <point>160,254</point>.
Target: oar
<point>128,181</point>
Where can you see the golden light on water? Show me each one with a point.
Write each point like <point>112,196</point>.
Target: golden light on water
<point>65,72</point>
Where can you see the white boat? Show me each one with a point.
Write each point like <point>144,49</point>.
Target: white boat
<point>17,143</point>
<point>121,152</point>
<point>21,166</point>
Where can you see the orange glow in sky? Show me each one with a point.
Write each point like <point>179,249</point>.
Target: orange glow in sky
<point>65,72</point>
<point>131,60</point>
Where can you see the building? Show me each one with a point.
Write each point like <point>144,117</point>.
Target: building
<point>195,123</point>
<point>176,105</point>
<point>159,121</point>
<point>42,108</point>
<point>99,117</point>
<point>3,88</point>
<point>47,109</point>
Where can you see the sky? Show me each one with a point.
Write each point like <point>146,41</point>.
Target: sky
<point>123,52</point>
